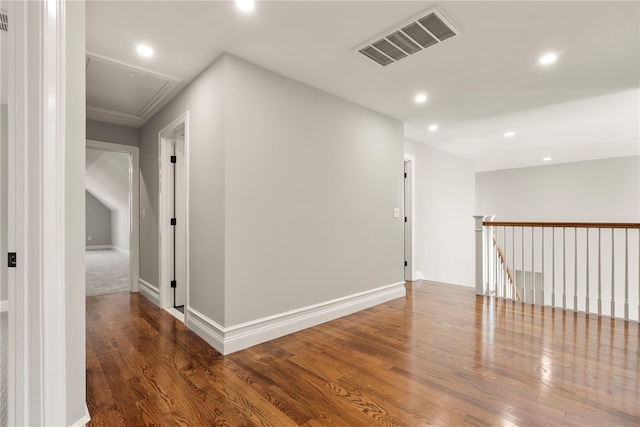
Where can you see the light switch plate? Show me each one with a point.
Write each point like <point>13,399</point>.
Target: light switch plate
<point>396,212</point>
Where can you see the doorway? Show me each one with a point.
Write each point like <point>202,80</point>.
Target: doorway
<point>112,238</point>
<point>173,219</point>
<point>409,213</point>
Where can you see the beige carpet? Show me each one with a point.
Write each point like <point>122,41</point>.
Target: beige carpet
<point>107,272</point>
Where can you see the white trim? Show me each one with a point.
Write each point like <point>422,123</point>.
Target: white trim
<point>234,338</point>
<point>158,99</point>
<point>4,306</point>
<point>164,215</point>
<point>84,420</point>
<point>419,276</point>
<point>175,313</point>
<point>37,382</point>
<point>134,204</point>
<point>410,273</point>
<point>122,251</point>
<point>98,247</point>
<point>53,196</point>
<point>152,293</point>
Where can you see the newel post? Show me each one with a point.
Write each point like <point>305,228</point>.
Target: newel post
<point>480,253</point>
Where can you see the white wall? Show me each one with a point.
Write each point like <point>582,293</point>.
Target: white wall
<point>444,208</point>
<point>4,195</point>
<point>606,190</point>
<point>98,222</point>
<point>74,212</point>
<point>292,192</point>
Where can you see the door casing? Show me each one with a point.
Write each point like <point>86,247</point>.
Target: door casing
<point>166,211</point>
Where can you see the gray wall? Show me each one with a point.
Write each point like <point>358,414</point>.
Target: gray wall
<point>98,221</point>
<point>107,132</point>
<point>443,224</point>
<point>311,184</point>
<point>120,229</point>
<point>4,195</point>
<point>606,190</point>
<point>292,192</point>
<point>204,98</point>
<point>108,179</point>
<point>75,134</point>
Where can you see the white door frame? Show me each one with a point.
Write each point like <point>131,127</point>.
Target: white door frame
<point>409,212</point>
<point>165,214</point>
<point>37,143</point>
<point>134,203</point>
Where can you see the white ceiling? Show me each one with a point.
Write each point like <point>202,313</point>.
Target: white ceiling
<point>480,84</point>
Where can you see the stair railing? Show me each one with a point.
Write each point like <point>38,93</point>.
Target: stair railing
<point>585,267</point>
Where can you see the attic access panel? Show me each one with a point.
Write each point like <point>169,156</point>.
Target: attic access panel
<point>123,90</point>
<point>430,28</point>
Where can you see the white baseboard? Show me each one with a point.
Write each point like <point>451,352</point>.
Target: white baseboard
<point>175,313</point>
<point>4,306</point>
<point>206,329</point>
<point>152,293</point>
<point>84,420</point>
<point>98,247</point>
<point>419,276</point>
<point>234,338</point>
<point>122,251</point>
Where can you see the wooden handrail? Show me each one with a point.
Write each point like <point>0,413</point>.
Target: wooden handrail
<point>628,225</point>
<point>503,260</point>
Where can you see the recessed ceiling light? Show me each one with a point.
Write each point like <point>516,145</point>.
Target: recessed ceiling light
<point>421,98</point>
<point>509,134</point>
<point>546,159</point>
<point>245,5</point>
<point>144,50</point>
<point>433,128</point>
<point>548,58</point>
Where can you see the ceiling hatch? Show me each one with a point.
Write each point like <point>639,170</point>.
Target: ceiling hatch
<point>116,90</point>
<point>428,29</point>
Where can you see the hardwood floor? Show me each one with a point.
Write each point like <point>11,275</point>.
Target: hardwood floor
<point>439,357</point>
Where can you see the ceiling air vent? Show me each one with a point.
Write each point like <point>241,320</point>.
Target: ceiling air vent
<point>428,29</point>
<point>4,20</point>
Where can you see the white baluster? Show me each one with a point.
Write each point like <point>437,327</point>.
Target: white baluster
<point>564,269</point>
<point>542,291</point>
<point>626,274</point>
<point>588,309</point>
<point>524,278</point>
<point>599,272</point>
<point>533,265</point>
<point>575,269</point>
<point>613,274</point>
<point>553,267</point>
<point>513,260</point>
<point>505,276</point>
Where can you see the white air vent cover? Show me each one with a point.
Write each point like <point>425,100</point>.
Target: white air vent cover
<point>428,29</point>
<point>4,20</point>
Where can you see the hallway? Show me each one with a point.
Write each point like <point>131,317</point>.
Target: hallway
<point>442,356</point>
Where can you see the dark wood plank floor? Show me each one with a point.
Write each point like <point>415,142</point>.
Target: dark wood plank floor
<point>439,357</point>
